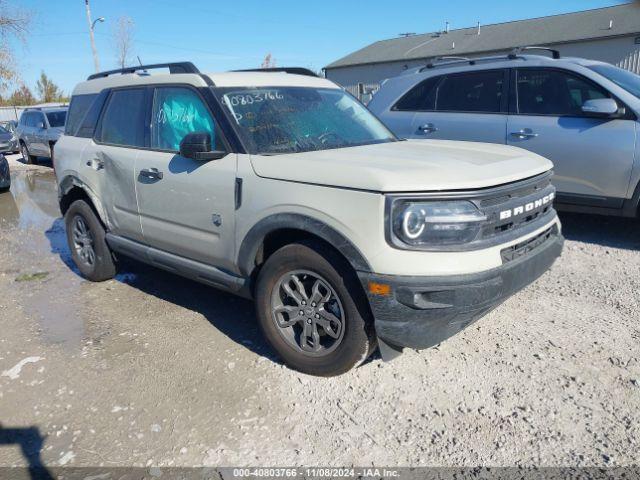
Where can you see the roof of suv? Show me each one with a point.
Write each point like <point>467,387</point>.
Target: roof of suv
<point>45,109</point>
<point>222,79</point>
<point>484,63</point>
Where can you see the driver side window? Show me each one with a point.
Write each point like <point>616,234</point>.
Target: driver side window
<point>552,92</point>
<point>176,112</point>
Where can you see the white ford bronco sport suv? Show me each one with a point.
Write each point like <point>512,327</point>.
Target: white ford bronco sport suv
<point>279,186</point>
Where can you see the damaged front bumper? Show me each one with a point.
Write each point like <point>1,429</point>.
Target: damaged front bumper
<point>420,312</point>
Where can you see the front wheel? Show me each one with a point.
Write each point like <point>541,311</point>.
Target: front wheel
<point>312,311</point>
<point>86,238</point>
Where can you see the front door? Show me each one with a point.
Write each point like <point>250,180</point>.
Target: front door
<point>38,144</point>
<point>187,207</point>
<point>470,106</point>
<point>592,157</point>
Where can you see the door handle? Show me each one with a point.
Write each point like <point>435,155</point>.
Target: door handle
<point>427,128</point>
<point>151,173</point>
<point>524,134</point>
<point>95,163</point>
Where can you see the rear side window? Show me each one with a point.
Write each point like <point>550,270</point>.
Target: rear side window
<point>471,92</point>
<point>122,122</point>
<point>552,92</point>
<point>77,110</point>
<point>422,97</point>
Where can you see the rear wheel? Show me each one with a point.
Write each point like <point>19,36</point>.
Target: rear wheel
<point>311,311</point>
<point>28,158</point>
<point>86,238</point>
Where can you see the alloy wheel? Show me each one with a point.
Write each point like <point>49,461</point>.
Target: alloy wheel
<point>83,241</point>
<point>308,313</point>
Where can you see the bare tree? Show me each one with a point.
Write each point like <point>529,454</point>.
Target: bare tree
<point>268,62</point>
<point>123,40</point>
<point>14,24</point>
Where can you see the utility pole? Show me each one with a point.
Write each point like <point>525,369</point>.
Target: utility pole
<point>93,41</point>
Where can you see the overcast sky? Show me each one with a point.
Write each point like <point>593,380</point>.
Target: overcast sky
<point>218,35</point>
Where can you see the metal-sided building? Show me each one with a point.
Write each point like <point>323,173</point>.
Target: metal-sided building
<point>610,34</point>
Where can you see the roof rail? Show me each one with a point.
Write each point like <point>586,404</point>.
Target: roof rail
<point>47,107</point>
<point>514,53</point>
<point>176,67</point>
<point>292,70</point>
<point>450,60</point>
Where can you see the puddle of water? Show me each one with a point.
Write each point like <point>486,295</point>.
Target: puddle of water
<point>32,201</point>
<point>30,210</point>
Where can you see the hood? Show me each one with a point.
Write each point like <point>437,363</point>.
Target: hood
<point>407,166</point>
<point>5,137</point>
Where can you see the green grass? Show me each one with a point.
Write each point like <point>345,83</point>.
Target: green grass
<point>32,277</point>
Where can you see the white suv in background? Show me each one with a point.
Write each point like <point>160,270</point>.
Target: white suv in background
<point>279,186</point>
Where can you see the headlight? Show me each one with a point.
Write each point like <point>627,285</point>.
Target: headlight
<point>424,223</point>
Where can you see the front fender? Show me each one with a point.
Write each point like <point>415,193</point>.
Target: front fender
<point>255,237</point>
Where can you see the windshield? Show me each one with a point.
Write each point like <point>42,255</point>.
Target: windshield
<point>623,78</point>
<point>274,120</point>
<point>56,119</point>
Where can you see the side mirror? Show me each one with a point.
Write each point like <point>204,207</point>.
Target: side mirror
<point>40,125</point>
<point>601,106</point>
<point>197,146</point>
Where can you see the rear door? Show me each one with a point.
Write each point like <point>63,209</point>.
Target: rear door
<point>187,207</point>
<point>592,156</point>
<point>469,106</point>
<point>418,100</point>
<point>109,160</point>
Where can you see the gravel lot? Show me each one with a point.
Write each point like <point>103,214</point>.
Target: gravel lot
<point>152,369</point>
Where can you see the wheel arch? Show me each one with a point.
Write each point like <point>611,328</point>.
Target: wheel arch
<point>631,207</point>
<point>72,189</point>
<point>279,230</point>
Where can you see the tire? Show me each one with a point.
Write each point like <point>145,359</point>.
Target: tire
<point>282,317</point>
<point>28,158</point>
<point>86,239</point>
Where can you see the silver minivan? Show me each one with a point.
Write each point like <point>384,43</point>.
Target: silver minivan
<point>580,114</point>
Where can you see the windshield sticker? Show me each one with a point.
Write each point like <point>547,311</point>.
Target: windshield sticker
<point>250,99</point>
